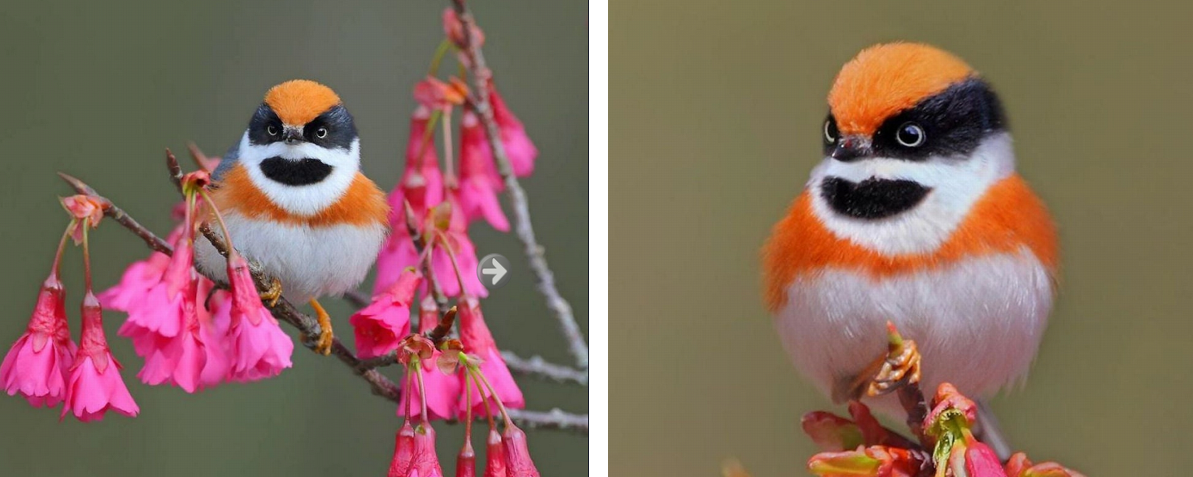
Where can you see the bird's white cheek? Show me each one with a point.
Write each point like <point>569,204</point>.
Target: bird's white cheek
<point>956,184</point>
<point>310,199</point>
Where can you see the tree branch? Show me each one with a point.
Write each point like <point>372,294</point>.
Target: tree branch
<point>516,195</point>
<point>284,311</point>
<point>536,366</point>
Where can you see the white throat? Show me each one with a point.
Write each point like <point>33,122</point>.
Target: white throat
<point>956,183</point>
<point>305,200</point>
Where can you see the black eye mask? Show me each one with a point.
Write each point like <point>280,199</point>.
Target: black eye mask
<point>872,198</point>
<point>295,173</point>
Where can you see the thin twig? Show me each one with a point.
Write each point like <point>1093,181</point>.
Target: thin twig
<point>536,366</point>
<point>517,196</point>
<point>357,298</point>
<point>553,419</point>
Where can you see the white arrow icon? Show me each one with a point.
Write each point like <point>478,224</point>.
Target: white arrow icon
<point>497,271</point>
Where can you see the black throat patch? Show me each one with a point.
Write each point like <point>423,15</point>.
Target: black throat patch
<point>295,173</point>
<point>872,198</point>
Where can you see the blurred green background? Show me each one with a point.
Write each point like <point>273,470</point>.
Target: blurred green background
<point>716,109</point>
<point>100,89</point>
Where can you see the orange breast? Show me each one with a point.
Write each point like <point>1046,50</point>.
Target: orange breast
<point>362,204</point>
<point>1007,218</point>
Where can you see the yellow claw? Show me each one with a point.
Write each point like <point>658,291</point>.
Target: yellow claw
<point>273,294</point>
<point>323,345</point>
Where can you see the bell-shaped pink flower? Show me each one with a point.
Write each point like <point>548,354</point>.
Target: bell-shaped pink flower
<point>517,454</point>
<point>179,360</point>
<point>403,451</point>
<point>495,455</point>
<point>456,237</point>
<point>37,364</point>
<point>442,392</point>
<point>466,460</point>
<point>259,348</point>
<point>95,385</point>
<point>138,279</point>
<point>380,326</point>
<point>214,325</point>
<point>422,186</point>
<point>980,460</point>
<point>425,462</point>
<point>479,182</point>
<point>159,312</point>
<point>518,147</point>
<point>478,341</point>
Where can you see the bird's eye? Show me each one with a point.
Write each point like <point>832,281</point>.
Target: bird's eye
<point>321,132</point>
<point>830,131</point>
<point>272,130</point>
<point>911,135</point>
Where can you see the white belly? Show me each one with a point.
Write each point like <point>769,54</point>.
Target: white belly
<point>978,323</point>
<point>310,261</point>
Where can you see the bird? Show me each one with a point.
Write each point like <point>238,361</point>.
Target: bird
<point>296,202</point>
<point>916,216</point>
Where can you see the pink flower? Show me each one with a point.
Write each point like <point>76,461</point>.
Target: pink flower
<point>517,454</point>
<point>86,210</point>
<point>135,283</point>
<point>32,368</point>
<point>456,237</point>
<point>403,451</point>
<point>259,347</point>
<point>466,460</point>
<point>425,462</point>
<point>214,325</point>
<point>422,186</point>
<point>381,325</point>
<point>179,360</point>
<point>495,455</point>
<point>518,146</point>
<point>159,312</point>
<point>980,460</point>
<point>479,342</point>
<point>433,93</point>
<point>441,392</point>
<point>479,181</point>
<point>95,385</point>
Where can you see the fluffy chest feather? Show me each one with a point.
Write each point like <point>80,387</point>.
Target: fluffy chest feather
<point>324,253</point>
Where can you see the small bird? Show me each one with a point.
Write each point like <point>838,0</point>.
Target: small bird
<point>917,216</point>
<point>295,201</point>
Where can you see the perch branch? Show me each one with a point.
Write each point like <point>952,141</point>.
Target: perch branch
<point>517,196</point>
<point>284,311</point>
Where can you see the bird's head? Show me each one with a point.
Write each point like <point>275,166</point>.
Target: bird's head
<point>301,135</point>
<point>912,139</point>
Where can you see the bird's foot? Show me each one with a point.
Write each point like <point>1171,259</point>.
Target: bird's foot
<point>326,336</point>
<point>273,294</point>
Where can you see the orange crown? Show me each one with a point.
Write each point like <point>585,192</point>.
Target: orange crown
<point>299,101</point>
<point>886,79</point>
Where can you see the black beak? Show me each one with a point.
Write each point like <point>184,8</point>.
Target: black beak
<point>850,148</point>
<point>293,136</point>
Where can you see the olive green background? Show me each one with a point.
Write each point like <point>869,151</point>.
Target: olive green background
<point>100,89</point>
<point>716,109</point>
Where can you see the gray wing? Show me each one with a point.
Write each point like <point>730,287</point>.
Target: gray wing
<point>227,162</point>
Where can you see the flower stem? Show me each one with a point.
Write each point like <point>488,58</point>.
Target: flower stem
<point>496,398</point>
<point>440,52</point>
<point>220,218</point>
<point>422,391</point>
<point>62,246</point>
<point>86,257</point>
<point>448,161</point>
<point>451,255</point>
<point>428,137</point>
<point>468,406</point>
<point>488,409</point>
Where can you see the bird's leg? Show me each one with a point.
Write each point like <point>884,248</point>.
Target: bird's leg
<point>323,345</point>
<point>274,293</point>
